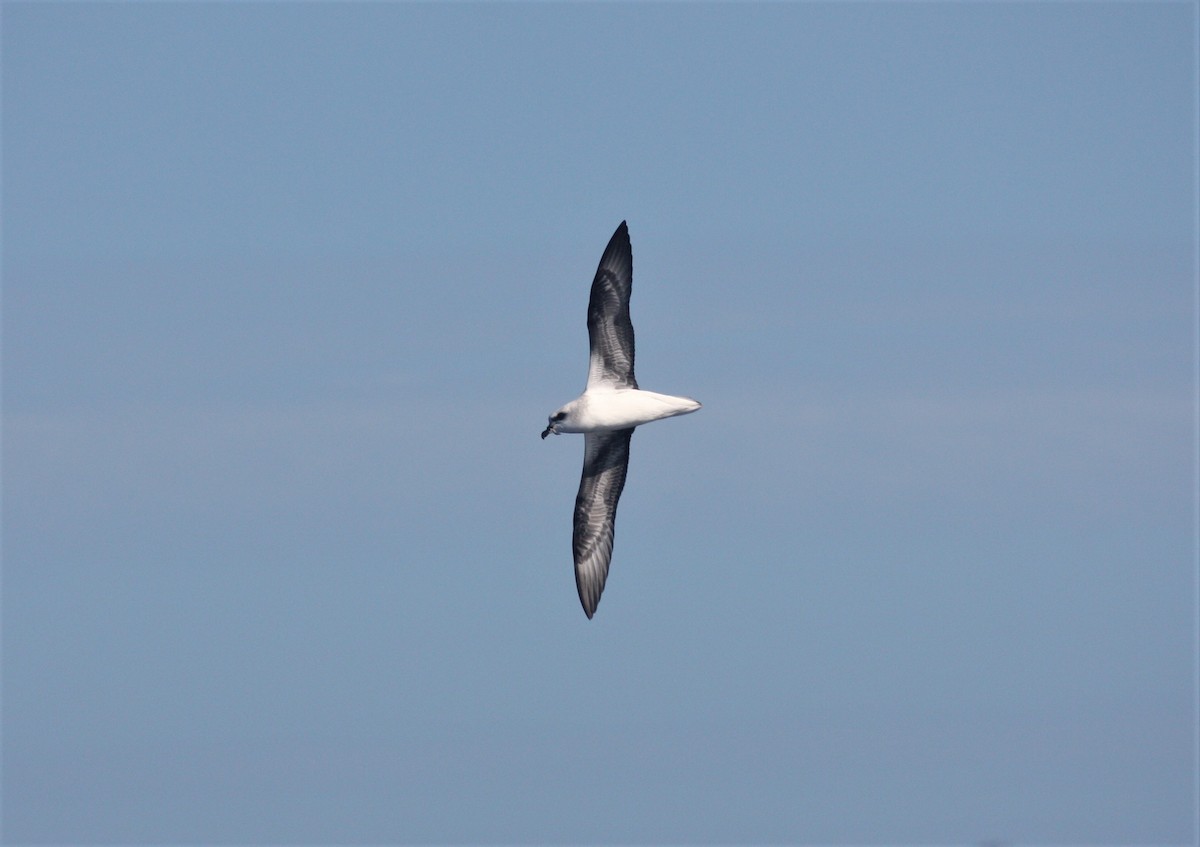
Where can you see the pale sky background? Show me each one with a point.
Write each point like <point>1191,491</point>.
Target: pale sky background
<point>289,290</point>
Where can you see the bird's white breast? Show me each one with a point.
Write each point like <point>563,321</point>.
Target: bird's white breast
<point>609,409</point>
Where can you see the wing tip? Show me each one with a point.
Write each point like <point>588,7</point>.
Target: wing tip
<point>589,605</point>
<point>620,235</point>
<point>589,593</point>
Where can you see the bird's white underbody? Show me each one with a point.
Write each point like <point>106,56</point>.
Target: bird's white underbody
<point>605,410</point>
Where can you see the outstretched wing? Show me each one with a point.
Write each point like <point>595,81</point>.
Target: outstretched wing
<point>605,461</point>
<point>610,331</point>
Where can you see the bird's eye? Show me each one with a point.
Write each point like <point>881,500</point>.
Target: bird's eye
<point>558,416</point>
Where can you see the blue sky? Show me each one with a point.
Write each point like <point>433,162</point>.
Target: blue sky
<point>289,290</point>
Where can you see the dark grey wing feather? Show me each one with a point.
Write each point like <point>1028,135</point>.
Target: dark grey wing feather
<point>610,331</point>
<point>605,461</point>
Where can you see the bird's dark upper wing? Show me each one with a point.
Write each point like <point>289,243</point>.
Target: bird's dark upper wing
<point>605,461</point>
<point>610,331</point>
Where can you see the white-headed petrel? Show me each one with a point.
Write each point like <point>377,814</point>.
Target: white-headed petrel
<point>606,413</point>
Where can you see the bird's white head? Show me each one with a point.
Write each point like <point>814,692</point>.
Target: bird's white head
<point>556,420</point>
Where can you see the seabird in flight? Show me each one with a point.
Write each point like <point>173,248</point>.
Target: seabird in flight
<point>606,413</point>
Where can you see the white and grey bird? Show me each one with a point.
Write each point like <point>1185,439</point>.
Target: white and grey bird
<point>606,413</point>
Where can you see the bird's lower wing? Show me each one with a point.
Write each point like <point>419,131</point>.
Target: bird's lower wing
<point>605,461</point>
